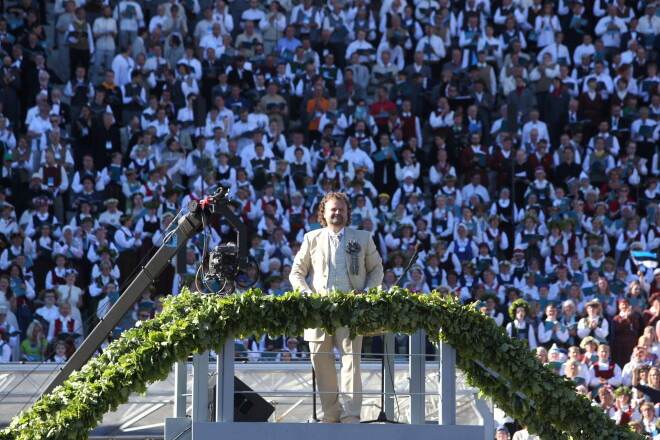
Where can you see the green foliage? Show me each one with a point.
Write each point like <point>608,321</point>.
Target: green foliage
<point>500,367</point>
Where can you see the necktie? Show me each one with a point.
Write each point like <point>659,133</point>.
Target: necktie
<point>335,240</point>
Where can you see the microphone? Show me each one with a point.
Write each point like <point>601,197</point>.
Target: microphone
<point>418,248</point>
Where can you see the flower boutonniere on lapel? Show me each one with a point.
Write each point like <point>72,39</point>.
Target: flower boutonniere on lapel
<point>353,249</point>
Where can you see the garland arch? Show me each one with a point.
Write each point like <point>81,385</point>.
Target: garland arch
<point>506,369</point>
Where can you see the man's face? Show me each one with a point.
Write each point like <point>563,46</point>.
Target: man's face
<point>335,212</point>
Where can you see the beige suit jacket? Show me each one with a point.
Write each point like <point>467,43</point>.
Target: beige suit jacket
<point>313,259</point>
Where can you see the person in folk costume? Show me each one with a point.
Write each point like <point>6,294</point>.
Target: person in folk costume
<point>594,324</point>
<point>574,237</point>
<point>19,246</point>
<point>406,240</point>
<point>649,419</point>
<point>468,278</point>
<point>632,234</point>
<point>297,214</point>
<point>519,328</point>
<point>55,276</point>
<point>85,210</point>
<point>590,347</point>
<point>505,277</point>
<point>71,293</point>
<point>490,285</point>
<point>555,259</point>
<point>555,237</point>
<point>97,240</point>
<point>433,273</point>
<point>580,370</point>
<point>417,282</point>
<point>463,246</point>
<point>551,331</point>
<point>559,289</point>
<point>248,210</point>
<point>148,225</point>
<point>8,222</point>
<point>604,372</point>
<point>606,398</point>
<point>527,286</point>
<point>65,323</point>
<point>571,370</point>
<point>484,260</point>
<point>110,217</point>
<point>449,189</point>
<point>415,207</point>
<point>152,189</point>
<point>8,324</point>
<point>170,202</point>
<point>114,175</point>
<point>528,239</point>
<point>441,219</point>
<point>518,265</point>
<point>595,259</point>
<point>59,351</point>
<point>43,215</point>
<point>475,157</point>
<point>106,255</point>
<point>651,316</point>
<point>447,260</point>
<point>541,187</point>
<point>490,307</point>
<point>242,182</point>
<point>135,208</point>
<point>269,197</point>
<point>127,244</point>
<point>403,192</point>
<point>45,246</point>
<point>496,237</point>
<point>98,287</point>
<point>130,185</point>
<point>332,174</point>
<point>626,330</point>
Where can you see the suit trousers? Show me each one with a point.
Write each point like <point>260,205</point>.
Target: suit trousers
<point>323,361</point>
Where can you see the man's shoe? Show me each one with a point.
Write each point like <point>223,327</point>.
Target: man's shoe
<point>351,419</point>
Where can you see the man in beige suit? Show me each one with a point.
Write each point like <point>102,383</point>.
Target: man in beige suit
<point>337,258</point>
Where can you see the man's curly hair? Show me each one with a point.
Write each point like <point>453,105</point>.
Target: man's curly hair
<point>337,196</point>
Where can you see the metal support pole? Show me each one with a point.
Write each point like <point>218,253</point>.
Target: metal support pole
<point>180,388</point>
<point>224,408</point>
<point>388,371</point>
<point>417,372</point>
<point>447,398</point>
<point>200,391</point>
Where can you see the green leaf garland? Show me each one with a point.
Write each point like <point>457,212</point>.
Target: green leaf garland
<point>500,367</point>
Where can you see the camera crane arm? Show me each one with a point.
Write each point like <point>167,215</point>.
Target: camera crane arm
<point>187,227</point>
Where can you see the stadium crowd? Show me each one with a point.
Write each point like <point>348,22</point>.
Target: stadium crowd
<point>516,140</point>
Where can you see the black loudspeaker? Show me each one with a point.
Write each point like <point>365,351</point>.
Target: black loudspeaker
<point>248,406</point>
